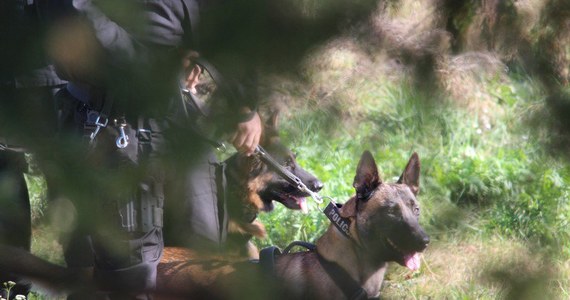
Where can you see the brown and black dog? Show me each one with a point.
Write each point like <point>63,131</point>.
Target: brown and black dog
<point>383,226</point>
<point>252,187</point>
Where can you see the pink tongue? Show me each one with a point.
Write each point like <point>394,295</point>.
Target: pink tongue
<point>303,204</point>
<point>412,261</point>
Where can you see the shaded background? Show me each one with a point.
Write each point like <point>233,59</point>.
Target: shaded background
<point>478,88</point>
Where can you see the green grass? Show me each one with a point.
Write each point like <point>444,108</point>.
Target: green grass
<point>492,187</point>
<point>494,201</point>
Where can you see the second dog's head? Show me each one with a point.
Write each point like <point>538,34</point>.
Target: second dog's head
<point>385,215</point>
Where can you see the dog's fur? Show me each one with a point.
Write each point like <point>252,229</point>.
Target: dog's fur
<point>384,227</point>
<point>252,187</point>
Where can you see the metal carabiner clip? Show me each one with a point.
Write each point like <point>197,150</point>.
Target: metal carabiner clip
<point>123,140</point>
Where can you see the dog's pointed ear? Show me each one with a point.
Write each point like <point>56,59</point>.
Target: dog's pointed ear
<point>270,133</point>
<point>273,121</point>
<point>366,179</point>
<point>411,174</point>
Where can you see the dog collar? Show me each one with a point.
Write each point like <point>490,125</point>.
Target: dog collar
<point>333,214</point>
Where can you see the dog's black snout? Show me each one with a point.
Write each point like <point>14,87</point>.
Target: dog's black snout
<point>425,240</point>
<point>316,185</point>
<point>421,240</point>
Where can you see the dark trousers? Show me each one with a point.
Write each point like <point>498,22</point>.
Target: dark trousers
<point>196,215</point>
<point>27,118</point>
<point>15,225</point>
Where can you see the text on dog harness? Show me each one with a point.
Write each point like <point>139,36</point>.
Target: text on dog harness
<point>342,224</point>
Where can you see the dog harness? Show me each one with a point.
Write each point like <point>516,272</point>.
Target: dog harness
<point>349,287</point>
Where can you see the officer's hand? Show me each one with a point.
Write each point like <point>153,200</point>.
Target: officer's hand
<point>247,135</point>
<point>193,78</point>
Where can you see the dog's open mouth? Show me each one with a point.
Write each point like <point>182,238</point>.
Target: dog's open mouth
<point>286,194</point>
<point>409,259</point>
<point>294,202</point>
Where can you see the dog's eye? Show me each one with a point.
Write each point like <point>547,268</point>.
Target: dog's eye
<point>289,162</point>
<point>416,210</point>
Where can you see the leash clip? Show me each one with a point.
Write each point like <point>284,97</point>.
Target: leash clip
<point>98,120</point>
<point>316,197</point>
<point>123,140</point>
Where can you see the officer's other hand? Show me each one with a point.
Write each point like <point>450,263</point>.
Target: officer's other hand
<point>247,135</point>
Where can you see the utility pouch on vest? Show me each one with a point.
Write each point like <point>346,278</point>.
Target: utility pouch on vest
<point>144,212</point>
<point>152,203</point>
<point>147,214</point>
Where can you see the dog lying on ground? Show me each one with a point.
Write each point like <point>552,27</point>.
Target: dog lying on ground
<point>381,226</point>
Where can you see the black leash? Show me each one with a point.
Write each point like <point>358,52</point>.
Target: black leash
<point>308,246</point>
<point>286,174</point>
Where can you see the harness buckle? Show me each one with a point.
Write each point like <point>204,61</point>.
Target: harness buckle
<point>96,118</point>
<point>221,148</point>
<point>144,136</point>
<point>100,123</point>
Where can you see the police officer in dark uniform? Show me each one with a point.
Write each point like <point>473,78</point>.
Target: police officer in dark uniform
<point>195,203</point>
<point>124,100</point>
<point>107,161</point>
